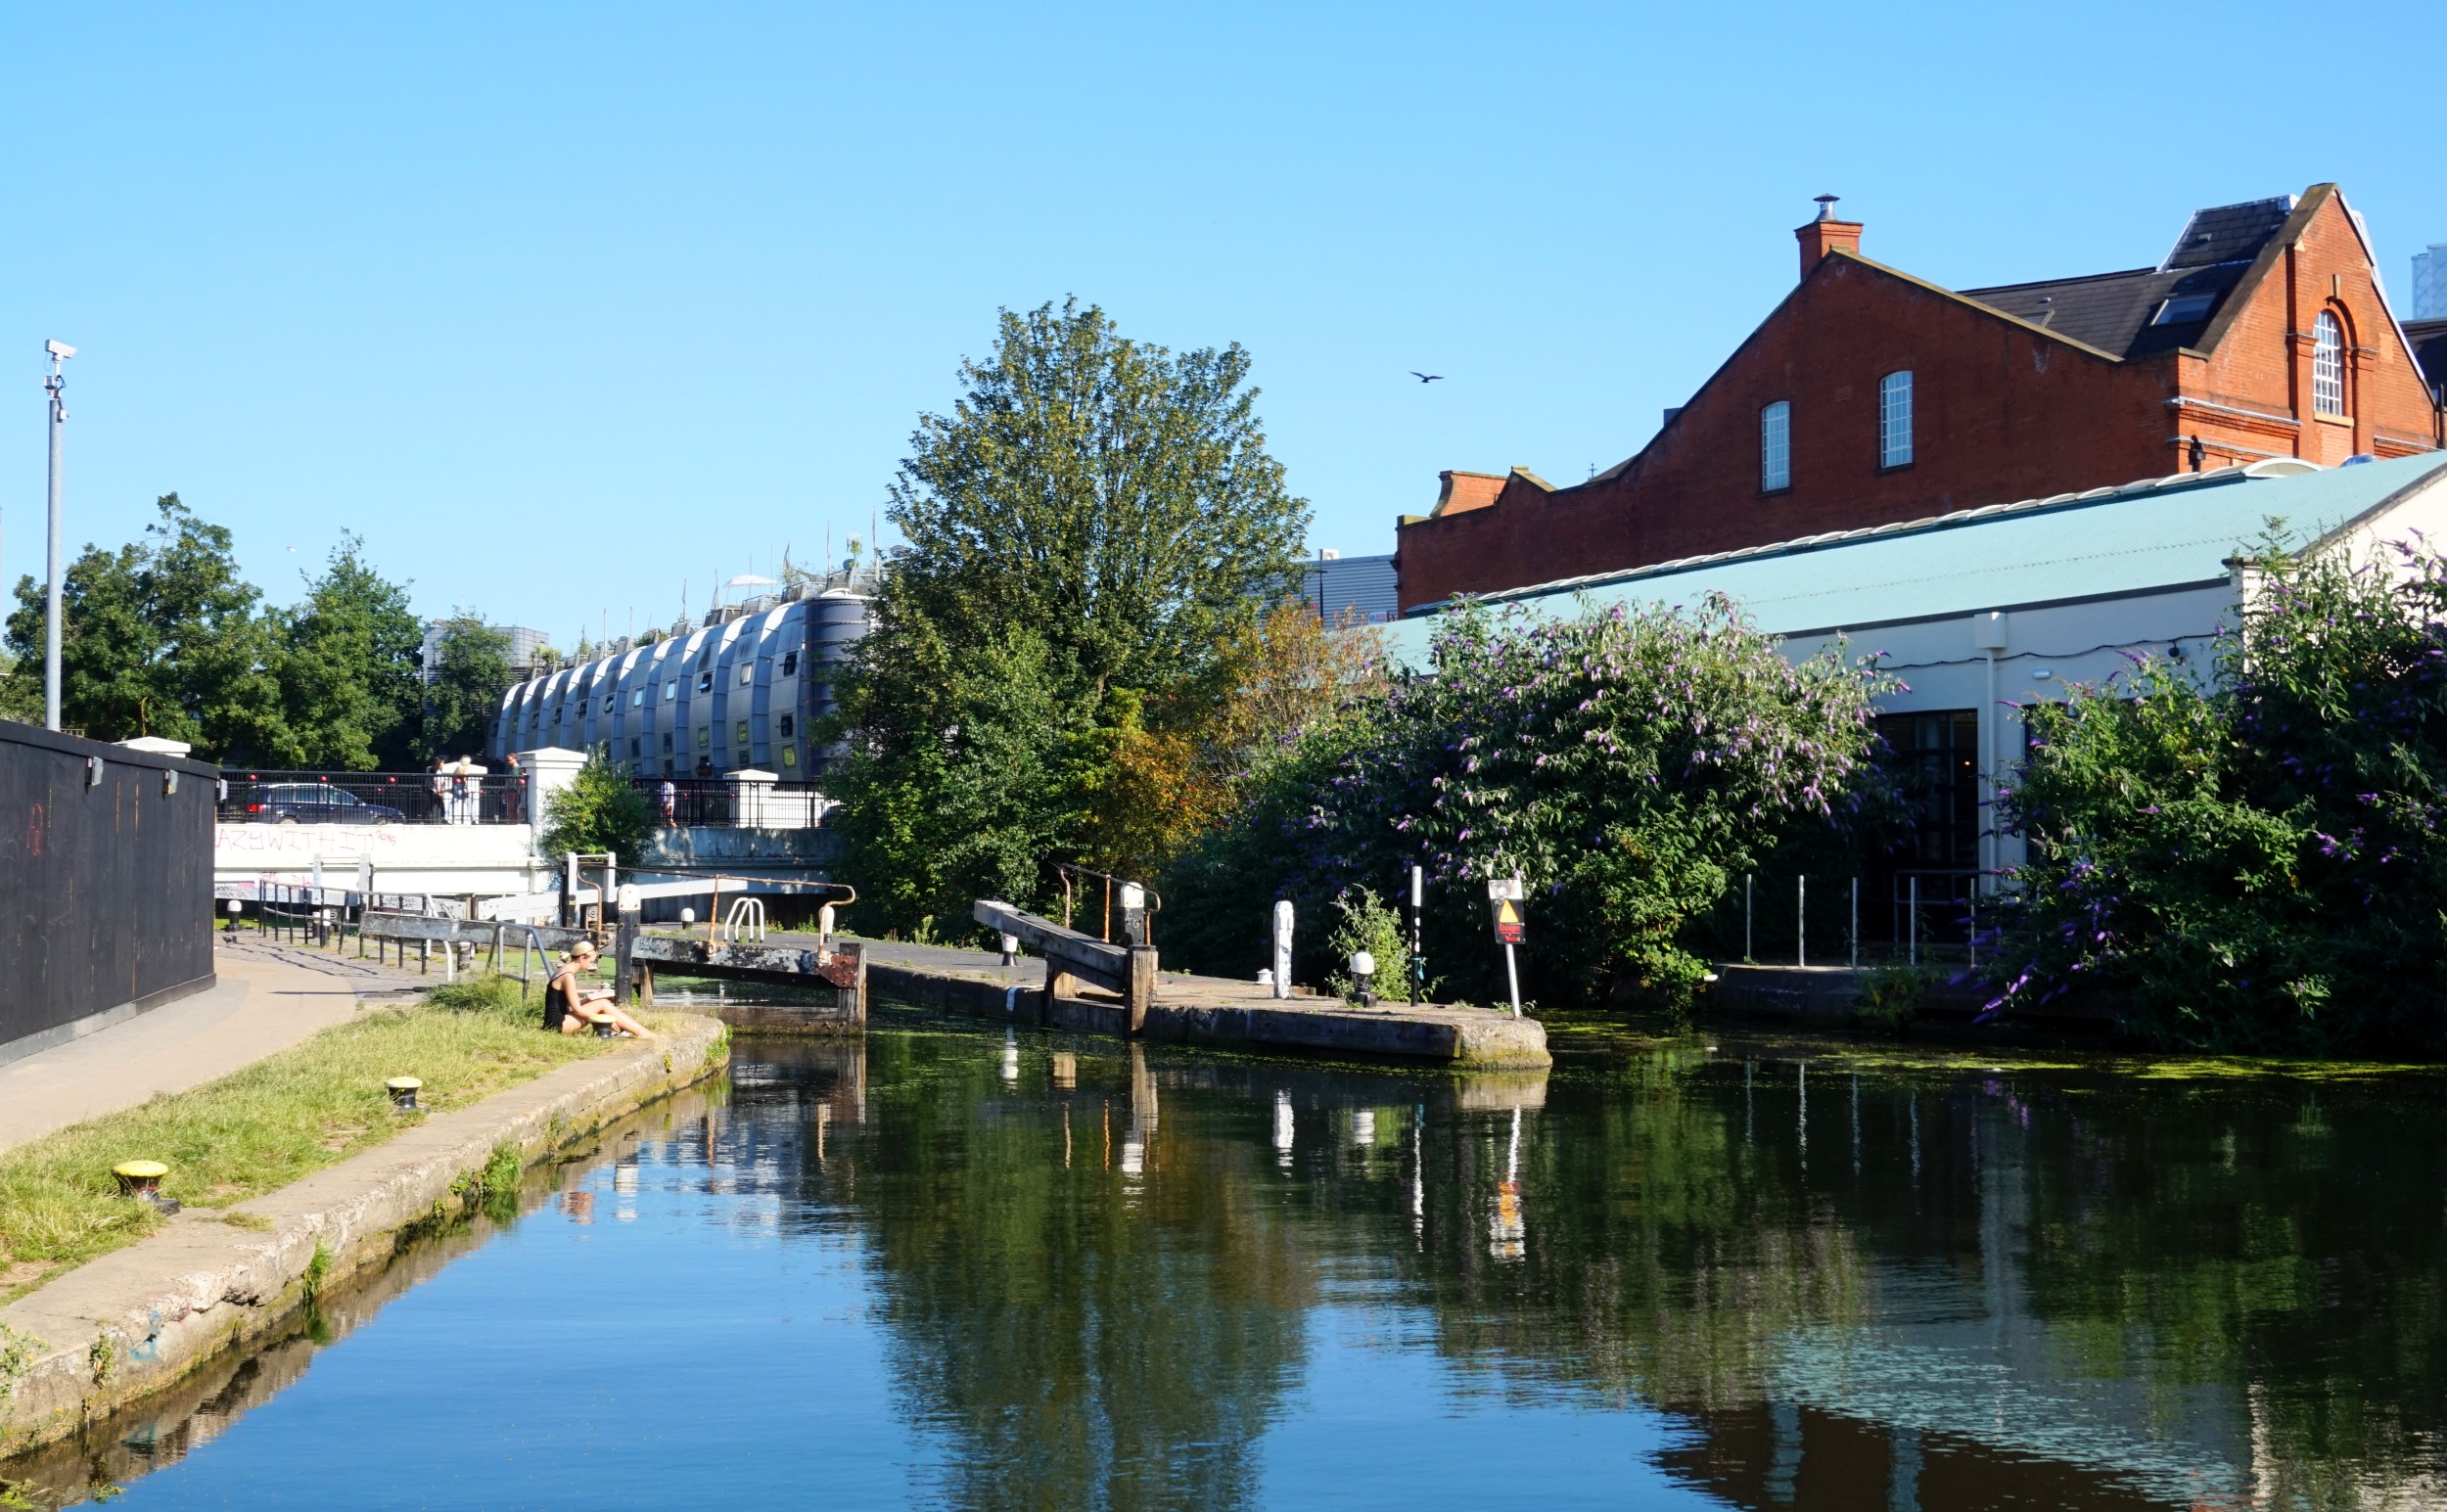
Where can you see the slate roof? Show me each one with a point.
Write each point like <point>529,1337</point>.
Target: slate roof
<point>2114,311</point>
<point>2143,537</point>
<point>2229,233</point>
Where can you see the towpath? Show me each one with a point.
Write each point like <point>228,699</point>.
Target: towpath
<point>267,997</point>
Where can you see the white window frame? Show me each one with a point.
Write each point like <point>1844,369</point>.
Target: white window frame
<point>1775,447</point>
<point>1893,419</point>
<point>2328,365</point>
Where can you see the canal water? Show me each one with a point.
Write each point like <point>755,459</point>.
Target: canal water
<point>951,1267</point>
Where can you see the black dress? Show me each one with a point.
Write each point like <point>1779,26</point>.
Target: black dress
<point>556,1001</point>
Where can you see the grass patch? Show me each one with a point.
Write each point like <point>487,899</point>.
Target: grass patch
<point>280,1120</point>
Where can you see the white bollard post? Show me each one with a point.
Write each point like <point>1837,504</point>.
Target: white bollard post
<point>1282,947</point>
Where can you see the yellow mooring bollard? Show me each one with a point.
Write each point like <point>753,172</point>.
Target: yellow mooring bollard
<point>142,1181</point>
<point>403,1090</point>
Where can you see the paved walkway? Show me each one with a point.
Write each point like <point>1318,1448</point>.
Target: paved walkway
<point>268,998</point>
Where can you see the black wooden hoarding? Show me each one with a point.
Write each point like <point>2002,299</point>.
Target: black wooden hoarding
<point>106,882</point>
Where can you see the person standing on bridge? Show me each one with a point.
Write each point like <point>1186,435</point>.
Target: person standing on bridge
<point>669,795</point>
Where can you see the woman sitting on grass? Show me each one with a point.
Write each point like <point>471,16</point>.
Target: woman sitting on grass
<point>569,1011</point>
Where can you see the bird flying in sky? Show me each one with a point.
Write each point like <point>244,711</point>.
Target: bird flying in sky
<point>1425,377</point>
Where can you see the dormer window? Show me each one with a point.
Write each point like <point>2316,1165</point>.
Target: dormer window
<point>2184,309</point>
<point>1775,447</point>
<point>1894,420</point>
<point>2328,366</point>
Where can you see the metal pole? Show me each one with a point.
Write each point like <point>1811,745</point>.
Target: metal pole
<point>1419,961</point>
<point>1747,955</point>
<point>1512,975</point>
<point>1801,920</point>
<point>1912,911</point>
<point>1856,924</point>
<point>51,588</point>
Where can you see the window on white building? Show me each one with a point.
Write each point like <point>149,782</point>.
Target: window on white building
<point>1894,420</point>
<point>2328,365</point>
<point>1775,447</point>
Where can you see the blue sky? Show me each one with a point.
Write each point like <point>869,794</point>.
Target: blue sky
<point>563,306</point>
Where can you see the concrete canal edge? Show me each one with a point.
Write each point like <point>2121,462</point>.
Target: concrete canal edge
<point>140,1320</point>
<point>1463,1039</point>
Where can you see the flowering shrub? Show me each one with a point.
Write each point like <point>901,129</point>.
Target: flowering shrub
<point>2256,861</point>
<point>1624,762</point>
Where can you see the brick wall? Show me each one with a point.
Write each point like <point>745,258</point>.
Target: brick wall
<point>2002,412</point>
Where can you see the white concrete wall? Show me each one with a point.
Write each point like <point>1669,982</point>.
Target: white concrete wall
<point>438,858</point>
<point>1942,666</point>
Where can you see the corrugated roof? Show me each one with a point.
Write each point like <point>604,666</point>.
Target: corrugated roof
<point>2161,534</point>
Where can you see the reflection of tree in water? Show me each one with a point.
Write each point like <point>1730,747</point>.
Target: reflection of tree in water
<point>1913,1288</point>
<point>2162,1276</point>
<point>1086,1338</point>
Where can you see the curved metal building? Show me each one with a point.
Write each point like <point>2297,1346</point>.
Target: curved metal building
<point>739,691</point>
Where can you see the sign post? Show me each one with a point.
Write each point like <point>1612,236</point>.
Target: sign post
<point>1419,960</point>
<point>1504,900</point>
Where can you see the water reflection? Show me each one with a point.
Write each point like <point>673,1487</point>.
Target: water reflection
<point>1078,1274</point>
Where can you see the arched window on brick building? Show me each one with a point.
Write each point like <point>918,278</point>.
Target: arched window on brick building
<point>2328,365</point>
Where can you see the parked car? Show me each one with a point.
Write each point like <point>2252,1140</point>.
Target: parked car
<point>313,802</point>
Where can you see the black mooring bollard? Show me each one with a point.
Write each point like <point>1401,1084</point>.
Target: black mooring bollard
<point>403,1090</point>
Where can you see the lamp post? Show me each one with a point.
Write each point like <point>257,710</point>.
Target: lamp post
<point>59,352</point>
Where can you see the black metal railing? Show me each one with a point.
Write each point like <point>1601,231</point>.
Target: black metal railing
<point>716,802</point>
<point>371,797</point>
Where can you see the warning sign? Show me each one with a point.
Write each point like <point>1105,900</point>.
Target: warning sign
<point>1508,920</point>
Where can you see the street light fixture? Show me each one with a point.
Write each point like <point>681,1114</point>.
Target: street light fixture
<point>59,352</point>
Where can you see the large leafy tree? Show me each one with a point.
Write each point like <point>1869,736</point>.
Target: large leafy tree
<point>1094,518</point>
<point>159,637</point>
<point>471,672</point>
<point>348,687</point>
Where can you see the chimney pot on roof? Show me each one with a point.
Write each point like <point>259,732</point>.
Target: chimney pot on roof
<point>1827,234</point>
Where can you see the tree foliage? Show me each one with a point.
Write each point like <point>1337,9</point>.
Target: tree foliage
<point>348,689</point>
<point>471,672</point>
<point>599,810</point>
<point>163,637</point>
<point>2252,852</point>
<point>1624,763</point>
<point>159,637</point>
<point>1089,529</point>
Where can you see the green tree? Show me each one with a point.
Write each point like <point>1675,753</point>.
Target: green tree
<point>1094,518</point>
<point>471,672</point>
<point>599,810</point>
<point>1624,763</point>
<point>159,637</point>
<point>348,687</point>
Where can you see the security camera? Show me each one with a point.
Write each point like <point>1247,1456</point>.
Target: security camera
<point>59,349</point>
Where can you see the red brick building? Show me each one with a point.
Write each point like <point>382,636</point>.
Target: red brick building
<point>1869,395</point>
